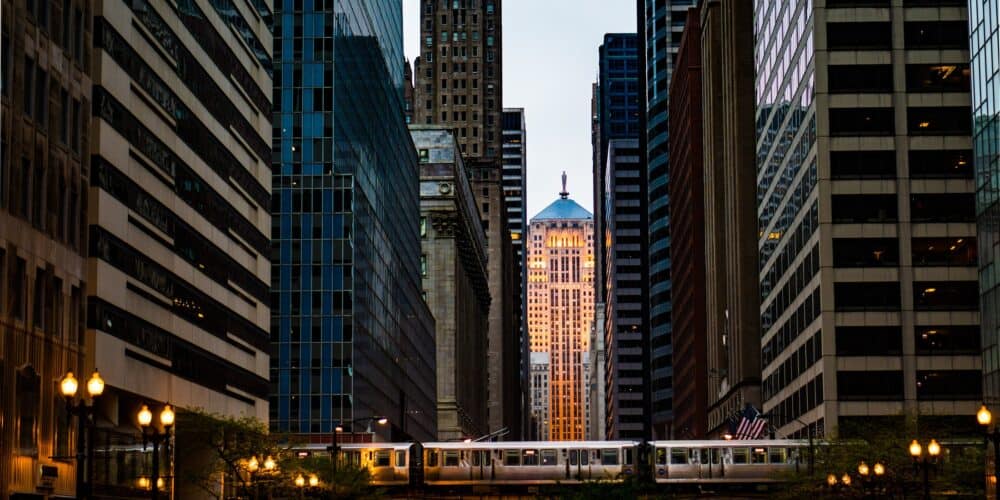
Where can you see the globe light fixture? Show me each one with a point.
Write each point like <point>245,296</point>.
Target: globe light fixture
<point>915,449</point>
<point>879,469</point>
<point>846,479</point>
<point>68,385</point>
<point>95,386</point>
<point>863,469</point>
<point>253,464</point>
<point>934,449</point>
<point>313,480</point>
<point>167,416</point>
<point>269,463</point>
<point>831,480</point>
<point>300,481</point>
<point>145,416</point>
<point>983,416</point>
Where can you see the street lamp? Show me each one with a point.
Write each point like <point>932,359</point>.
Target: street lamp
<point>869,476</point>
<point>333,448</point>
<point>85,422</point>
<point>985,418</point>
<point>925,462</point>
<point>152,435</point>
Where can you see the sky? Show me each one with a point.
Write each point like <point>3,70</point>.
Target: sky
<point>549,64</point>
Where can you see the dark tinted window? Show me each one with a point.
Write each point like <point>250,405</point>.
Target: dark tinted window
<point>860,78</point>
<point>865,252</point>
<point>948,340</point>
<point>870,385</point>
<point>936,35</point>
<point>944,251</point>
<point>858,208</point>
<point>857,3</point>
<point>863,164</point>
<point>937,77</point>
<point>939,121</point>
<point>866,296</point>
<point>946,295</point>
<point>869,340</point>
<point>862,121</point>
<point>941,163</point>
<point>852,36</point>
<point>948,207</point>
<point>950,384</point>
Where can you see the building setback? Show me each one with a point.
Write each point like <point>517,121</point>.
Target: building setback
<point>352,335</point>
<point>687,249</point>
<point>560,313</point>
<point>453,266</point>
<point>662,24</point>
<point>45,166</point>
<point>869,298</point>
<point>515,185</point>
<point>459,86</point>
<point>732,306</point>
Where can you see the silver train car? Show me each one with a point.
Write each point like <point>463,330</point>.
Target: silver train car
<point>532,463</point>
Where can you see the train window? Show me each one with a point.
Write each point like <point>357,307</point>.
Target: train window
<point>477,459</point>
<point>451,459</point>
<point>777,455</point>
<point>574,457</point>
<point>741,456</point>
<point>432,458</point>
<point>585,457</point>
<point>627,454</point>
<point>661,456</point>
<point>382,458</point>
<point>609,457</point>
<point>512,457</point>
<point>716,454</point>
<point>529,457</point>
<point>679,456</point>
<point>400,458</point>
<point>759,456</point>
<point>703,454</point>
<point>548,457</point>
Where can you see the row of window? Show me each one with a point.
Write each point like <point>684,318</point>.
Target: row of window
<point>933,340</point>
<point>48,300</point>
<point>881,164</point>
<point>916,35</point>
<point>927,296</point>
<point>884,252</point>
<point>888,385</point>
<point>51,199</point>
<point>883,208</point>
<point>882,122</point>
<point>796,364</point>
<point>868,78</point>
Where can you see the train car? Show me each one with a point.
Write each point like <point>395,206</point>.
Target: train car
<point>716,461</point>
<point>389,463</point>
<point>527,462</point>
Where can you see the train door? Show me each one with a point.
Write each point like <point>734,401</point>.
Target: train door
<point>660,464</point>
<point>710,460</point>
<point>579,463</point>
<point>480,461</point>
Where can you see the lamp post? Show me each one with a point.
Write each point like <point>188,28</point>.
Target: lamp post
<point>254,467</point>
<point>985,418</point>
<point>333,448</point>
<point>870,476</point>
<point>925,462</point>
<point>85,421</point>
<point>152,435</point>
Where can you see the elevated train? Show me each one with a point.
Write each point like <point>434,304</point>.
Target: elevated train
<point>533,463</point>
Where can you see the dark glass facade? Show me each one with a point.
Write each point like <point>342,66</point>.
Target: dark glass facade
<point>984,18</point>
<point>663,24</point>
<point>351,335</point>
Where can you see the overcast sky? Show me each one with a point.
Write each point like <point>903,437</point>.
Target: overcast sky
<point>549,64</point>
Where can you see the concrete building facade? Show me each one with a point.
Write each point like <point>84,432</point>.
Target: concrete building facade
<point>561,310</point>
<point>45,166</point>
<point>453,267</point>
<point>869,298</point>
<point>732,309</point>
<point>687,248</point>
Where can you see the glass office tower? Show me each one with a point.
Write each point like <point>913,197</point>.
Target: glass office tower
<point>351,335</point>
<point>984,47</point>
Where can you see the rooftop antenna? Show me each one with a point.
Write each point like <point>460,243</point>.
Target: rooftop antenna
<point>564,194</point>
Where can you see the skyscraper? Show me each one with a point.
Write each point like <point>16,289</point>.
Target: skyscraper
<point>45,166</point>
<point>620,190</point>
<point>869,299</point>
<point>453,268</point>
<point>732,307</point>
<point>515,185</point>
<point>560,311</point>
<point>984,19</point>
<point>459,86</point>
<point>662,25</point>
<point>687,250</point>
<point>352,335</point>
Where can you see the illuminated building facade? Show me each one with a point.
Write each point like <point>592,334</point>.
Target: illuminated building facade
<point>561,309</point>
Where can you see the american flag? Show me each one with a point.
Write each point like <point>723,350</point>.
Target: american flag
<point>747,424</point>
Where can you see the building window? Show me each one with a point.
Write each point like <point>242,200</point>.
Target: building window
<point>423,265</point>
<point>937,77</point>
<point>946,295</point>
<point>27,392</point>
<point>64,116</point>
<point>859,36</point>
<point>869,340</point>
<point>949,385</point>
<point>863,164</point>
<point>866,296</point>
<point>423,227</point>
<point>936,163</point>
<point>870,385</point>
<point>936,35</point>
<point>865,252</point>
<point>18,289</point>
<point>944,251</point>
<point>947,207</point>
<point>948,340</point>
<point>865,78</point>
<point>29,86</point>
<point>5,69</point>
<point>75,125</point>
<point>862,208</point>
<point>939,121</point>
<point>862,121</point>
